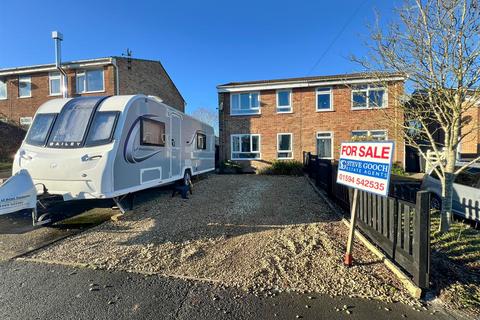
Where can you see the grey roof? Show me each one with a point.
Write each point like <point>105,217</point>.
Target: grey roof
<point>336,77</point>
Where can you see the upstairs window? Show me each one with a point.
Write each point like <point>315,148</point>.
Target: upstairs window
<point>152,133</point>
<point>284,146</point>
<point>245,103</point>
<point>284,101</point>
<point>245,146</point>
<point>3,89</point>
<point>324,99</point>
<point>90,81</point>
<point>24,87</point>
<point>362,135</point>
<point>54,81</point>
<point>201,141</point>
<point>368,97</point>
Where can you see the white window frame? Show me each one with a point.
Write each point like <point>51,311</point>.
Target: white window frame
<point>4,83</point>
<point>285,151</point>
<point>85,82</point>
<point>289,107</point>
<point>25,121</point>
<point>54,76</point>
<point>367,91</point>
<point>322,91</point>
<point>369,132</point>
<point>254,111</point>
<point>240,139</point>
<point>25,79</point>
<point>332,156</point>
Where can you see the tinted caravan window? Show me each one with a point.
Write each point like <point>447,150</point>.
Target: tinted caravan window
<point>72,123</point>
<point>39,130</point>
<point>152,133</point>
<point>101,130</point>
<point>201,141</point>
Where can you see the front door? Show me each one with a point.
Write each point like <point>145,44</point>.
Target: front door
<point>175,145</point>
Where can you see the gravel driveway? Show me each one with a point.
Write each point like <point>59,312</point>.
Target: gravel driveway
<point>265,234</point>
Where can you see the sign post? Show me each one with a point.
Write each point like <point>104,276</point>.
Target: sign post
<point>364,166</point>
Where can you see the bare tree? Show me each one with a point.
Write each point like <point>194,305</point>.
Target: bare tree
<point>436,43</point>
<point>208,116</point>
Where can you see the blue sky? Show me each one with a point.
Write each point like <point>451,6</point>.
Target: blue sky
<point>200,43</point>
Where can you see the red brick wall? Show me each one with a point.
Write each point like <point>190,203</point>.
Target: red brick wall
<point>14,107</point>
<point>305,122</point>
<point>470,145</point>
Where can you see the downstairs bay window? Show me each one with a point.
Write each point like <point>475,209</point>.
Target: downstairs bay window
<point>245,146</point>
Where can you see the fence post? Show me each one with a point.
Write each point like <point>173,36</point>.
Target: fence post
<point>421,240</point>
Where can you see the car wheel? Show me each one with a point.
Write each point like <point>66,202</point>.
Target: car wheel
<point>435,203</point>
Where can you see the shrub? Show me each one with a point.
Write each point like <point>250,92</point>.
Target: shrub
<point>284,167</point>
<point>398,170</point>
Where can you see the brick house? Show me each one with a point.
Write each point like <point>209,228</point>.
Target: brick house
<point>24,89</point>
<point>263,121</point>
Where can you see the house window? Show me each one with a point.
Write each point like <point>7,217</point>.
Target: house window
<point>245,146</point>
<point>201,141</point>
<point>24,87</point>
<point>377,135</point>
<point>324,99</point>
<point>284,146</point>
<point>90,81</point>
<point>368,97</point>
<point>325,145</point>
<point>245,103</point>
<point>284,101</point>
<point>3,89</point>
<point>26,121</point>
<point>54,81</point>
<point>152,133</point>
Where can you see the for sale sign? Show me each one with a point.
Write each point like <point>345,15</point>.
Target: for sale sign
<point>366,165</point>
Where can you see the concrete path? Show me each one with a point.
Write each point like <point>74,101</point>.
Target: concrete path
<point>39,291</point>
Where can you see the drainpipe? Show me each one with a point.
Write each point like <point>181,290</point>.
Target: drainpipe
<point>58,37</point>
<point>117,78</point>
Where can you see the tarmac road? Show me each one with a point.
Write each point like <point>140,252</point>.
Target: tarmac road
<point>39,291</point>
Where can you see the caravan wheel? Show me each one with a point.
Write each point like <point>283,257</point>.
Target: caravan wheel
<point>187,178</point>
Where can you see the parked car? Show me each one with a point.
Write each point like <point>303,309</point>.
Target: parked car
<point>466,192</point>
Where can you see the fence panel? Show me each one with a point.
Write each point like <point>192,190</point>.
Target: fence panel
<point>397,225</point>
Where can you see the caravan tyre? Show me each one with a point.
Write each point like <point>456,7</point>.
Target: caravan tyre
<point>187,178</point>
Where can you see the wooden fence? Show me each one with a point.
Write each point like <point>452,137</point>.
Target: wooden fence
<point>400,228</point>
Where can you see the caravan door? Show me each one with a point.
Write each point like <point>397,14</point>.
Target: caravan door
<point>175,145</point>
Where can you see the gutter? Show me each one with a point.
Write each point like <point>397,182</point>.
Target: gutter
<point>301,84</point>
<point>117,77</point>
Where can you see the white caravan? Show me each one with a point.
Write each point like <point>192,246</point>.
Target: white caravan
<point>107,147</point>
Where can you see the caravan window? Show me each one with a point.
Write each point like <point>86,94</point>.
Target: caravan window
<point>152,133</point>
<point>101,130</point>
<point>71,125</point>
<point>201,141</point>
<point>39,130</point>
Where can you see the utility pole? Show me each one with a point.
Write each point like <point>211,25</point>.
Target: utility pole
<point>58,38</point>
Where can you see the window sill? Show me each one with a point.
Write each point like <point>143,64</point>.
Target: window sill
<point>55,95</point>
<point>244,114</point>
<point>98,91</point>
<point>243,159</point>
<point>1,99</point>
<point>26,97</point>
<point>325,110</point>
<point>287,112</point>
<point>369,108</point>
<point>289,158</point>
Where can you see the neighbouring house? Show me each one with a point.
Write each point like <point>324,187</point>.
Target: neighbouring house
<point>469,147</point>
<point>24,89</point>
<point>267,120</point>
